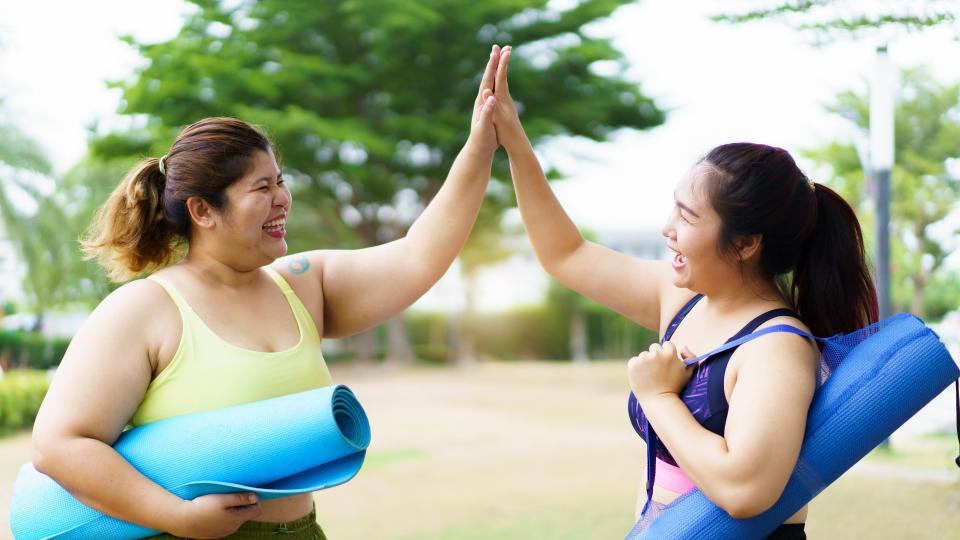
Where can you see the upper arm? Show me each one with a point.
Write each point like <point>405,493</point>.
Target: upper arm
<point>775,382</point>
<point>630,286</point>
<point>360,288</point>
<point>104,372</point>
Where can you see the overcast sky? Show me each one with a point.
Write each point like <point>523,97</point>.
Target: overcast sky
<point>759,82</point>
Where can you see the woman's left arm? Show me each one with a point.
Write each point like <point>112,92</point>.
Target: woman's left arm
<point>745,471</point>
<point>364,287</point>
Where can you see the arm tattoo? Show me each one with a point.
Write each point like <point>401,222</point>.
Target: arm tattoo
<point>299,265</point>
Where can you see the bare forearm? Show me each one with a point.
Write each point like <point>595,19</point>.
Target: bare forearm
<point>553,235</point>
<point>108,483</point>
<point>438,235</point>
<point>703,455</point>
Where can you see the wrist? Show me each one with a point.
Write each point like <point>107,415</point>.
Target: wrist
<point>514,140</point>
<point>477,148</point>
<point>656,399</point>
<point>171,516</point>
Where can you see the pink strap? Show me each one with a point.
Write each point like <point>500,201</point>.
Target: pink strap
<point>672,478</point>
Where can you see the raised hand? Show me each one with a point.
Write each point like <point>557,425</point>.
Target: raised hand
<point>482,132</point>
<point>505,118</point>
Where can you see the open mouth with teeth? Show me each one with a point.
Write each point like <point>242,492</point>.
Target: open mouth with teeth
<point>679,261</point>
<point>275,228</point>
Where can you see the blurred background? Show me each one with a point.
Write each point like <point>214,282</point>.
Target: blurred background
<point>498,400</point>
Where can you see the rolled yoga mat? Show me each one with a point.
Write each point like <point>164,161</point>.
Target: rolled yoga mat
<point>879,385</point>
<point>276,448</point>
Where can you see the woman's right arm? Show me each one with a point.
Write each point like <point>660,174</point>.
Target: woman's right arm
<point>98,386</point>
<point>627,285</point>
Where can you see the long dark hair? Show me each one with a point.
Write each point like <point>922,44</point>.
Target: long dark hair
<point>140,226</point>
<point>807,230</point>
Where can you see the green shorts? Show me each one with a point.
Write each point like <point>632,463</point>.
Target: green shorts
<point>305,528</point>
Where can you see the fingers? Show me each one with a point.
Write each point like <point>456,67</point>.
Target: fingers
<point>669,350</point>
<point>239,499</point>
<point>489,74</point>
<point>500,85</point>
<point>246,513</point>
<point>486,113</point>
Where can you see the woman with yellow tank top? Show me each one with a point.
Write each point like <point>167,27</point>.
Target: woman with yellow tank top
<point>233,321</point>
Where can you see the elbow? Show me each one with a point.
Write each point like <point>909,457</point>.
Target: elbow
<point>44,455</point>
<point>743,509</point>
<point>745,501</point>
<point>41,458</point>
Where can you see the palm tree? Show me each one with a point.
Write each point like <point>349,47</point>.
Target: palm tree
<point>32,222</point>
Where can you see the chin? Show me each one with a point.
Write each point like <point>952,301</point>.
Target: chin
<point>276,253</point>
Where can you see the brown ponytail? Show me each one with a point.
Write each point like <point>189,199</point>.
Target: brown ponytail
<point>129,235</point>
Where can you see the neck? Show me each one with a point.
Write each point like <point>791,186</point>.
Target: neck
<point>745,292</point>
<point>213,271</point>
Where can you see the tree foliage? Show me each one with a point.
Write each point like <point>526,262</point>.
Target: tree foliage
<point>369,101</point>
<point>33,223</point>
<point>830,20</point>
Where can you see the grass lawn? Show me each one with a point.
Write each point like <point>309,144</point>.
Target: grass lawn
<point>544,451</point>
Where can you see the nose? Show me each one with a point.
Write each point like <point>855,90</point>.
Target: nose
<point>668,229</point>
<point>282,196</point>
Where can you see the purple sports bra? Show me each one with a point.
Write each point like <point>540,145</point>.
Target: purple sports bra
<point>703,394</point>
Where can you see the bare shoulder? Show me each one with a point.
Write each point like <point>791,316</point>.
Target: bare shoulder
<point>135,302</point>
<point>789,351</point>
<point>138,314</point>
<point>304,272</point>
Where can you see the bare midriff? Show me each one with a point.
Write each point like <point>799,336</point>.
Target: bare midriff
<point>286,509</point>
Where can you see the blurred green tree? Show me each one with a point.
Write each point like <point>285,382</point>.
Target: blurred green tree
<point>369,101</point>
<point>925,188</point>
<point>830,20</point>
<point>32,222</point>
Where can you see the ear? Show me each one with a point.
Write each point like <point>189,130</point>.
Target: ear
<point>749,246</point>
<point>201,213</point>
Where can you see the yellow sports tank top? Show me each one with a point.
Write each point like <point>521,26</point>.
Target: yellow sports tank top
<point>208,373</point>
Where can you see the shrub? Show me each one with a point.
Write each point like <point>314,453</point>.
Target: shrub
<point>21,392</point>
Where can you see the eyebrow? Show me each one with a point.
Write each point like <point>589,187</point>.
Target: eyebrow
<point>684,207</point>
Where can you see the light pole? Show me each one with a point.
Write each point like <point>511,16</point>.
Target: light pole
<point>881,164</point>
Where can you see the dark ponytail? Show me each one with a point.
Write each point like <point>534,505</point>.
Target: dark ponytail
<point>832,288</point>
<point>807,229</point>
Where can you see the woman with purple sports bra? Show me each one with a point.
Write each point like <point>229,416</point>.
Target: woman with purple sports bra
<point>755,244</point>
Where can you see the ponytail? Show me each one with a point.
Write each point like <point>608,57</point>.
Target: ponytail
<point>832,288</point>
<point>129,234</point>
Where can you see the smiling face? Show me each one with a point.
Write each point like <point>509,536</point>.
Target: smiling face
<point>253,222</point>
<point>691,232</point>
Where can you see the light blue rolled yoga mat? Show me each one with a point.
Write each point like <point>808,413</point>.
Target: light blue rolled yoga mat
<point>882,381</point>
<point>276,448</point>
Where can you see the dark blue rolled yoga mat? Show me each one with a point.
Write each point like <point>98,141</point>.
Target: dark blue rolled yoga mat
<point>879,385</point>
<point>276,448</point>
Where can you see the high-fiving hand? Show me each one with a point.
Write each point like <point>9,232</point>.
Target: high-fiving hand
<point>494,100</point>
<point>505,117</point>
<point>482,130</point>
